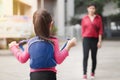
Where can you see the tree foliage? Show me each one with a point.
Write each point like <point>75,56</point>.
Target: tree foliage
<point>118,2</point>
<point>99,3</point>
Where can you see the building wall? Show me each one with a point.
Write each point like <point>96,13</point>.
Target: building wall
<point>61,17</point>
<point>27,7</point>
<point>70,9</point>
<point>6,7</point>
<point>50,6</point>
<point>57,10</point>
<point>12,25</point>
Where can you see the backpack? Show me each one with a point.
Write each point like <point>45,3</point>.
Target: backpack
<point>41,53</point>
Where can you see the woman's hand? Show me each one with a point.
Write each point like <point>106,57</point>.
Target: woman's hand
<point>14,43</point>
<point>71,43</point>
<point>99,44</point>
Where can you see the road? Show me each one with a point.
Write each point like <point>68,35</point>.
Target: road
<point>108,67</point>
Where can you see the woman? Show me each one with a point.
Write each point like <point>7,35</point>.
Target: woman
<point>92,38</point>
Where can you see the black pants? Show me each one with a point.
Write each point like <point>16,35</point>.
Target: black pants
<point>43,75</point>
<point>89,44</point>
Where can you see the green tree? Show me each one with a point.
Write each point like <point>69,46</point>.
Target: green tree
<point>118,2</point>
<point>78,3</point>
<point>99,3</point>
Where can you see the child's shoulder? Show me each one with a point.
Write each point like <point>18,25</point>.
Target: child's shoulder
<point>53,38</point>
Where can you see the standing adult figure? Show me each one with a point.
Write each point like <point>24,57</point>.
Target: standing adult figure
<point>92,30</point>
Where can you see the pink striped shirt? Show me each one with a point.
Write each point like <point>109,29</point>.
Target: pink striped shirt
<point>24,56</point>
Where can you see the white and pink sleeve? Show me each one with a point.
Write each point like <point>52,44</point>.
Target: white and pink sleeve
<point>22,56</point>
<point>60,55</point>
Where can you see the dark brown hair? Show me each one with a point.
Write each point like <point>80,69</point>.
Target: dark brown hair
<point>92,4</point>
<point>42,20</point>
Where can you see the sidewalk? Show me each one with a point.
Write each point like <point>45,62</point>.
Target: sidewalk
<point>108,63</point>
<point>71,69</point>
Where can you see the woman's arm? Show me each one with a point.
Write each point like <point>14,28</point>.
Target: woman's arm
<point>100,38</point>
<point>100,34</point>
<point>22,56</point>
<point>101,26</point>
<point>82,28</point>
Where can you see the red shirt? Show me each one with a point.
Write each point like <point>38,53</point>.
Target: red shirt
<point>92,29</point>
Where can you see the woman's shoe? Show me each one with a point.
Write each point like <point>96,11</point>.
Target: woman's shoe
<point>84,77</point>
<point>92,75</point>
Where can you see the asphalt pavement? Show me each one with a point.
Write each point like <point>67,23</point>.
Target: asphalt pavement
<point>108,67</point>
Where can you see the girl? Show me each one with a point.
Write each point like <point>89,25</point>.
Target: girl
<point>43,24</point>
<point>92,37</point>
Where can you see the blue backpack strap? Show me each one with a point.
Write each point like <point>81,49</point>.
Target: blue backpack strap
<point>21,43</point>
<point>33,40</point>
<point>65,44</point>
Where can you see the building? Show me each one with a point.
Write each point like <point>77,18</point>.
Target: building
<point>17,7</point>
<point>15,19</point>
<point>61,10</point>
<point>16,16</point>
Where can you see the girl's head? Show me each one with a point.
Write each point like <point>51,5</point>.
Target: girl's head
<point>91,8</point>
<point>42,21</point>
